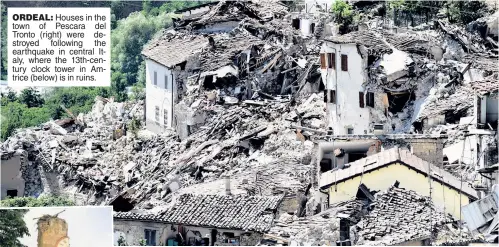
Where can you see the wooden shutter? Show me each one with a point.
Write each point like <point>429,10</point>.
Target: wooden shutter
<point>323,61</point>
<point>155,78</point>
<point>361,99</point>
<point>344,62</point>
<point>332,60</point>
<point>370,99</point>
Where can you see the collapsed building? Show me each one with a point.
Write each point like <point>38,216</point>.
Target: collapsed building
<point>227,53</point>
<point>394,216</point>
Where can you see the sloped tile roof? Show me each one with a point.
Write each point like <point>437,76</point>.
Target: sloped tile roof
<point>373,42</point>
<point>388,157</point>
<point>486,86</point>
<point>399,215</point>
<point>170,50</point>
<point>241,212</point>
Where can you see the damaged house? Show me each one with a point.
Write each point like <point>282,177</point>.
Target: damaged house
<point>486,103</point>
<point>201,220</point>
<point>352,108</point>
<point>166,59</point>
<point>385,168</point>
<point>391,217</point>
<point>12,170</point>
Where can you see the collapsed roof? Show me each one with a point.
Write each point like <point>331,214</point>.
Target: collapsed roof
<point>226,48</point>
<point>375,45</point>
<point>399,216</point>
<point>226,11</point>
<point>170,49</point>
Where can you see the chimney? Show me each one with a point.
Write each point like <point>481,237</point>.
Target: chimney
<point>227,185</point>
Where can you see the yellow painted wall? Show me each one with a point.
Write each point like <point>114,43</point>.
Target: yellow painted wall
<point>383,178</point>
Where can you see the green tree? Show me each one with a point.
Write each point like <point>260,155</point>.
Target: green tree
<point>344,15</point>
<point>12,227</point>
<point>466,11</point>
<point>3,35</point>
<point>31,98</point>
<point>43,201</point>
<point>8,97</point>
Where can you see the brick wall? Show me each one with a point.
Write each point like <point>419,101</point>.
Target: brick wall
<point>430,150</point>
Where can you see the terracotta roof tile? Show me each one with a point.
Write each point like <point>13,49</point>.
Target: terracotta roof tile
<point>170,50</point>
<point>390,156</point>
<point>242,212</point>
<point>372,41</point>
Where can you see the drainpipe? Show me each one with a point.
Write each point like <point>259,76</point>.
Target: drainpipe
<point>173,106</point>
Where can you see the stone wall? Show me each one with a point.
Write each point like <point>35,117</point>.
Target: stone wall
<point>12,171</point>
<point>430,150</point>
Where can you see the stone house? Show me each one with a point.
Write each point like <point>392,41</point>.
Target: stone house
<point>201,220</point>
<point>11,170</point>
<point>166,67</point>
<point>353,107</point>
<point>397,165</point>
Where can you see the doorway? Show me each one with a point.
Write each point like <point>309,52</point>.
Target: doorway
<point>11,193</point>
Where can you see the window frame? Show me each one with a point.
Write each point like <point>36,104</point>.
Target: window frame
<point>150,237</point>
<point>330,96</point>
<point>331,63</point>
<point>323,60</point>
<point>156,113</point>
<point>344,62</point>
<point>155,78</point>
<point>361,100</point>
<point>370,99</point>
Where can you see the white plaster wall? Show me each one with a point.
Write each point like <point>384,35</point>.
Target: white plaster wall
<point>159,96</point>
<point>483,109</point>
<point>305,27</point>
<point>11,176</point>
<point>347,84</point>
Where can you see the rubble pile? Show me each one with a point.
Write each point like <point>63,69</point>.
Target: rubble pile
<point>237,140</point>
<point>320,229</point>
<point>398,216</point>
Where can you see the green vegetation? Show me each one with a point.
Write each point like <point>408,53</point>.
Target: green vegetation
<point>466,11</point>
<point>345,15</point>
<point>133,25</point>
<point>31,109</point>
<point>43,201</point>
<point>12,227</point>
<point>128,39</point>
<point>462,12</point>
